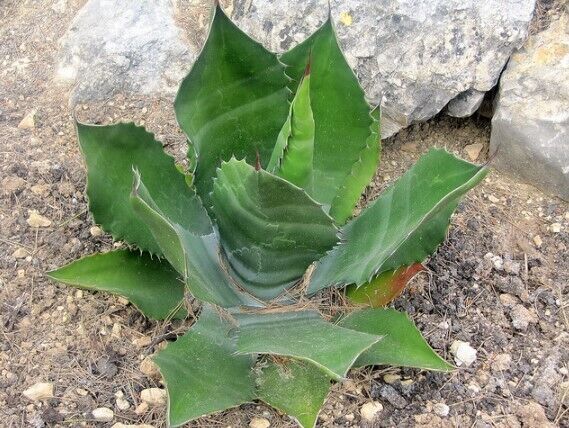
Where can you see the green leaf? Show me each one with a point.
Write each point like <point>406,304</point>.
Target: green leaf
<point>360,176</point>
<point>111,152</point>
<point>152,286</point>
<point>403,226</point>
<point>341,113</point>
<point>271,230</point>
<point>293,154</point>
<point>402,344</point>
<point>194,256</point>
<point>233,102</point>
<point>202,372</point>
<point>384,288</point>
<point>303,335</point>
<point>294,387</point>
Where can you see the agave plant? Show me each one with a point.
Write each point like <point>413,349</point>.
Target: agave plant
<point>280,150</point>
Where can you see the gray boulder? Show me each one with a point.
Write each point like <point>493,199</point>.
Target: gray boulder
<point>530,128</point>
<point>117,46</point>
<point>413,56</point>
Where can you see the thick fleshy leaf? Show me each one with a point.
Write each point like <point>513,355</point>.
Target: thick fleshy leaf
<point>402,344</point>
<point>303,335</point>
<point>360,176</point>
<point>149,284</point>
<point>341,113</point>
<point>271,230</point>
<point>403,226</point>
<point>294,387</point>
<point>202,372</point>
<point>293,154</point>
<point>194,256</point>
<point>233,102</point>
<point>384,288</point>
<point>111,152</point>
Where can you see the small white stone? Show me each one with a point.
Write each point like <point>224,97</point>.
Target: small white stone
<point>555,227</point>
<point>153,396</point>
<point>463,353</point>
<point>370,409</point>
<point>121,425</point>
<point>20,253</point>
<point>149,367</point>
<point>441,409</point>
<point>391,378</point>
<point>120,401</point>
<point>259,423</point>
<point>37,220</point>
<point>537,241</point>
<point>493,199</point>
<point>28,121</point>
<point>473,150</point>
<point>39,391</point>
<point>103,414</point>
<point>95,231</point>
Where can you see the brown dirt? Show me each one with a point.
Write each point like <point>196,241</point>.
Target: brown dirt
<point>91,346</point>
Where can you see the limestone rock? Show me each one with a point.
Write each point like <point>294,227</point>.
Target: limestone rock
<point>465,104</point>
<point>464,354</point>
<point>530,128</point>
<point>412,56</point>
<point>115,46</point>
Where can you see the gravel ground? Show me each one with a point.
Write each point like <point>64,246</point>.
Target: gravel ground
<point>498,283</point>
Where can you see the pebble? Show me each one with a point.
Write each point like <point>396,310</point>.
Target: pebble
<point>391,378</point>
<point>508,300</point>
<point>501,362</point>
<point>141,408</point>
<point>153,396</point>
<point>370,410</point>
<point>511,267</point>
<point>39,391</point>
<point>493,199</point>
<point>28,121</point>
<point>20,253</point>
<point>537,241</point>
<point>12,184</point>
<point>473,150</point>
<point>142,341</point>
<point>121,425</point>
<point>120,401</point>
<point>555,227</point>
<point>149,368</point>
<point>522,317</point>
<point>103,414</point>
<point>96,231</point>
<point>441,409</point>
<point>463,353</point>
<point>259,423</point>
<point>395,399</point>
<point>37,220</point>
<point>40,189</point>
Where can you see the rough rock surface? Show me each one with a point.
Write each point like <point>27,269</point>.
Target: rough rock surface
<point>413,56</point>
<point>117,46</point>
<point>530,129</point>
